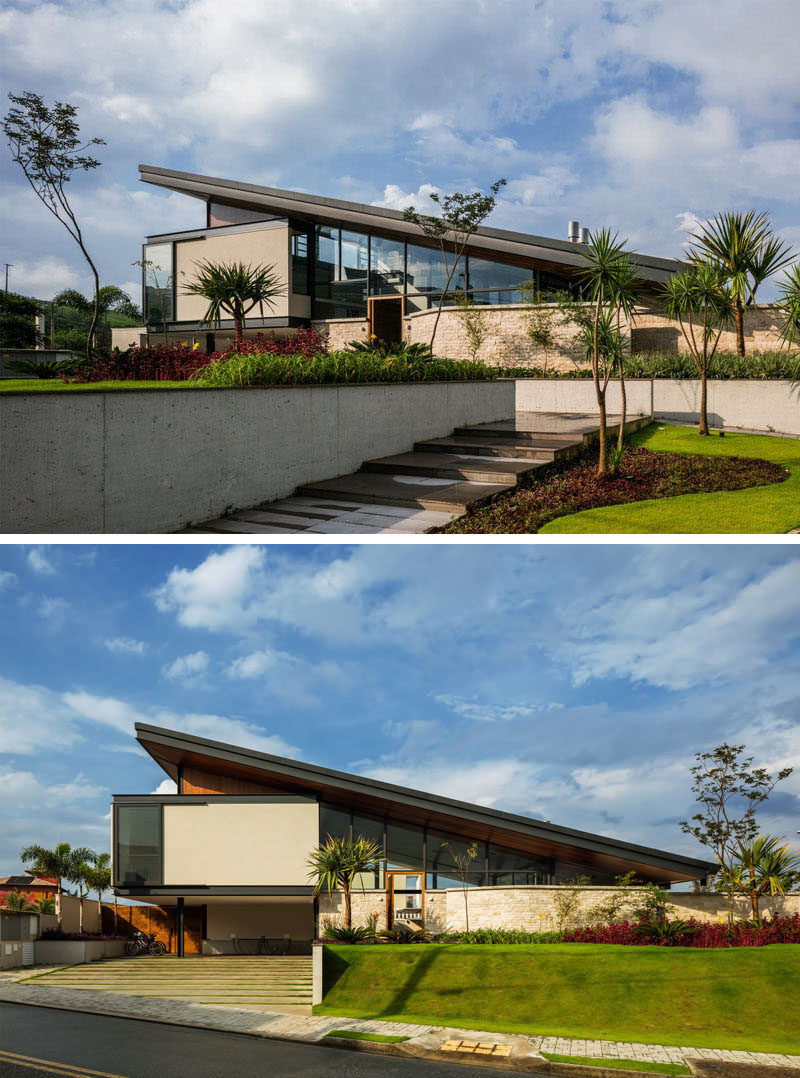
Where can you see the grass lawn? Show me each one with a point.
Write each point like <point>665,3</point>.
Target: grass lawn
<point>742,998</point>
<point>378,1038</point>
<point>55,385</point>
<point>768,509</point>
<point>619,1064</point>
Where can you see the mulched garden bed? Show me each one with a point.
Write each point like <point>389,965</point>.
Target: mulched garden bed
<point>642,474</point>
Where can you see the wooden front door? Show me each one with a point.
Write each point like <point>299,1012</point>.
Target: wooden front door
<point>386,318</point>
<point>405,892</point>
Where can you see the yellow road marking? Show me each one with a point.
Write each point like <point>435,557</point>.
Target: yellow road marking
<point>61,1068</point>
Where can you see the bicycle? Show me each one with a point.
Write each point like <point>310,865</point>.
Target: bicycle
<point>144,944</point>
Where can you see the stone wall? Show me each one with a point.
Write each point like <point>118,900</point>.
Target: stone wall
<point>531,909</point>
<point>507,343</point>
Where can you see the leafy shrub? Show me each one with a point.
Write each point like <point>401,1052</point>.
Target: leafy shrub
<point>384,349</point>
<point>45,368</point>
<point>343,934</point>
<point>500,935</point>
<point>692,933</point>
<point>336,368</point>
<point>762,366</point>
<point>404,934</point>
<point>158,363</point>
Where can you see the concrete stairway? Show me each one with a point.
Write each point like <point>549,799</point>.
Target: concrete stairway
<point>269,982</point>
<point>439,480</point>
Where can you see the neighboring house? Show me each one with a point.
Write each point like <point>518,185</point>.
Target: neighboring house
<point>35,886</point>
<point>350,268</point>
<point>234,841</point>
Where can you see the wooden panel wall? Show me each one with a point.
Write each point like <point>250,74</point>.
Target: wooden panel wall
<point>206,782</point>
<point>159,919</point>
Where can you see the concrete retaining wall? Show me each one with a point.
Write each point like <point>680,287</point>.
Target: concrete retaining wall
<point>531,909</point>
<point>752,405</point>
<point>69,952</point>
<point>156,460</point>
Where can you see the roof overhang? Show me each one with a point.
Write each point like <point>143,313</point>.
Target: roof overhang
<point>172,749</point>
<point>492,243</point>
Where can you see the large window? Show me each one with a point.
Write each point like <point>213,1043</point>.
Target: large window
<point>427,273</point>
<point>387,267</point>
<point>403,846</point>
<point>443,866</point>
<point>333,822</point>
<point>158,274</point>
<point>300,263</point>
<point>495,275</point>
<point>507,868</point>
<point>138,854</point>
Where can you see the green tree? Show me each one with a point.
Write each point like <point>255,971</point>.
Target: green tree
<point>746,250</point>
<point>336,863</point>
<point>46,144</point>
<point>45,904</point>
<point>700,294</point>
<point>789,306</point>
<point>461,216</point>
<point>234,289</point>
<point>763,866</point>
<point>462,861</point>
<point>18,316</point>
<point>611,285</point>
<point>539,319</point>
<point>54,863</point>
<point>473,321</point>
<point>99,879</point>
<point>728,790</point>
<point>80,873</point>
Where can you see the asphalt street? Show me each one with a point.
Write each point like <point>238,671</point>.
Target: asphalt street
<point>37,1041</point>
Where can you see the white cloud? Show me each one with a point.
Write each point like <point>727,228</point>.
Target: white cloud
<point>44,277</point>
<point>7,579</point>
<point>489,782</point>
<point>680,638</point>
<point>39,561</point>
<point>32,718</point>
<point>395,198</point>
<point>126,645</point>
<point>186,667</point>
<point>167,786</point>
<point>472,709</point>
<point>218,594</point>
<point>259,663</point>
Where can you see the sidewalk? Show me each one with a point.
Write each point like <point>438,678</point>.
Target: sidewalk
<point>429,1039</point>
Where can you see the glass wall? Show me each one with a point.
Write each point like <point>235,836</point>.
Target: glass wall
<point>387,267</point>
<point>300,263</point>
<point>351,266</point>
<point>422,849</point>
<point>158,276</point>
<point>138,853</point>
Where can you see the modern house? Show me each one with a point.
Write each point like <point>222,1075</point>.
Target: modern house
<point>349,268</point>
<point>232,844</point>
<point>26,884</point>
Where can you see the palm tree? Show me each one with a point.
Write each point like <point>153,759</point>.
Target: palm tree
<point>745,249</point>
<point>234,289</point>
<point>762,866</point>
<point>80,872</point>
<point>45,904</point>
<point>611,286</point>
<point>336,863</point>
<point>99,879</point>
<point>700,292</point>
<point>789,305</point>
<point>43,862</point>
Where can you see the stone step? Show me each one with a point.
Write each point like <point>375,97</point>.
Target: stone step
<point>543,450</point>
<point>441,495</point>
<point>477,469</point>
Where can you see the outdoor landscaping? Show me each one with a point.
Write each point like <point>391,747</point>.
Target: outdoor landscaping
<point>686,482</point>
<point>744,999</point>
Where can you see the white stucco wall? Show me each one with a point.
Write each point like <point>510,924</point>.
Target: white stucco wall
<point>263,844</point>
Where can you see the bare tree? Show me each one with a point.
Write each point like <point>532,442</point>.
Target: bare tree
<point>46,145</point>
<point>461,216</point>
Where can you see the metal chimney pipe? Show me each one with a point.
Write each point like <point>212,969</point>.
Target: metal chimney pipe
<point>574,232</point>
<point>584,235</point>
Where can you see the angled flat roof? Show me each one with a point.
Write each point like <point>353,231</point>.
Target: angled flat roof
<point>172,748</point>
<point>557,255</point>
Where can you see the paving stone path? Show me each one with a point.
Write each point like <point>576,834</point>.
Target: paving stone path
<point>16,987</point>
<point>439,480</point>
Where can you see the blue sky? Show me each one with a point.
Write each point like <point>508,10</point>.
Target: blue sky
<point>572,683</point>
<point>642,115</point>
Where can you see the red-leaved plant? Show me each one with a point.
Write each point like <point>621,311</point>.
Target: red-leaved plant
<point>694,934</point>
